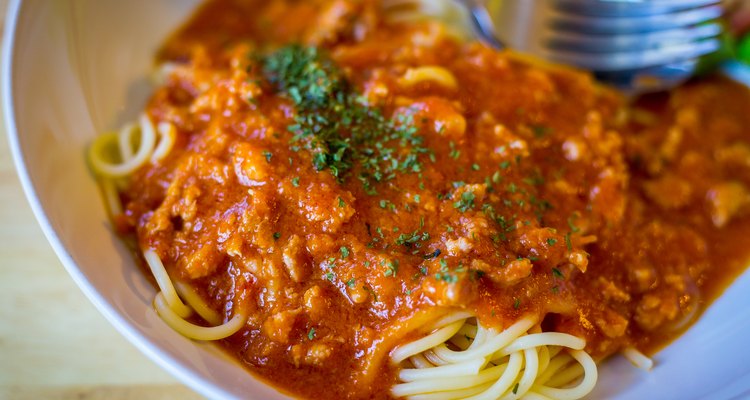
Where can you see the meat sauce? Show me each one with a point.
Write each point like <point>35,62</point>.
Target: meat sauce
<point>509,188</point>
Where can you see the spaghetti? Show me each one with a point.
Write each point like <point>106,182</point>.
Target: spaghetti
<point>167,302</point>
<point>358,205</point>
<point>517,362</point>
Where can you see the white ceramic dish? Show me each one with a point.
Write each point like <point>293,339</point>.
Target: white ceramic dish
<point>72,69</point>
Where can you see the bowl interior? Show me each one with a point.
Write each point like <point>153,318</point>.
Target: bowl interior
<point>75,69</point>
<point>72,71</point>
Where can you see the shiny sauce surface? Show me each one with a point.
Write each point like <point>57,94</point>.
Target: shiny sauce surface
<point>518,189</point>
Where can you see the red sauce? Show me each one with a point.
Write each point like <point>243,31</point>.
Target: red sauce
<point>539,193</point>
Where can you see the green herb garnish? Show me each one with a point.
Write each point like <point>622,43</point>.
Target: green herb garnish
<point>466,202</point>
<point>391,268</point>
<point>336,124</point>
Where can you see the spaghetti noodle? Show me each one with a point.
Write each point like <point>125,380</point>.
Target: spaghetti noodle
<point>490,364</point>
<point>359,205</point>
<point>167,302</point>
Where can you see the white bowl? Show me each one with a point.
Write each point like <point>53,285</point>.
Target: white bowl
<point>72,69</point>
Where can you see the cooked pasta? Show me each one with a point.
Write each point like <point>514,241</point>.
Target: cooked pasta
<point>358,204</point>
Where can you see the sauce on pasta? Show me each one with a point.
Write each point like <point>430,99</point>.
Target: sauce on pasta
<point>333,183</point>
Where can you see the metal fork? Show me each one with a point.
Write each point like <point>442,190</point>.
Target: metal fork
<point>638,45</point>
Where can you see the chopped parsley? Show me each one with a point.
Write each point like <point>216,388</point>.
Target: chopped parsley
<point>444,274</point>
<point>466,202</point>
<point>351,282</point>
<point>276,235</point>
<point>516,303</point>
<point>540,131</point>
<point>267,155</point>
<point>455,153</point>
<point>342,204</point>
<point>446,277</point>
<point>557,273</point>
<point>573,227</point>
<point>312,82</point>
<point>391,268</point>
<point>311,334</point>
<point>535,180</point>
<point>410,239</point>
<point>551,241</point>
<point>295,181</point>
<point>344,252</point>
<point>336,124</point>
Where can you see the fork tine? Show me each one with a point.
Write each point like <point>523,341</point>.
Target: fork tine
<point>656,78</point>
<point>620,40</point>
<point>634,59</point>
<point>484,26</point>
<point>573,41</point>
<point>604,25</point>
<point>629,8</point>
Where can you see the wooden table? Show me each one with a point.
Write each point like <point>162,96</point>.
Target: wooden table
<point>53,343</point>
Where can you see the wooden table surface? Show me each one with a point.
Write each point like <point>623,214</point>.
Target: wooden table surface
<point>53,343</point>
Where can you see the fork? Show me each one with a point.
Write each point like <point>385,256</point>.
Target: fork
<point>637,45</point>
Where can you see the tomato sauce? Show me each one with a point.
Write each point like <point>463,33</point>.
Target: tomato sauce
<point>516,189</point>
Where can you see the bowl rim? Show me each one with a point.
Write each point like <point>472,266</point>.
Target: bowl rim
<point>188,377</point>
